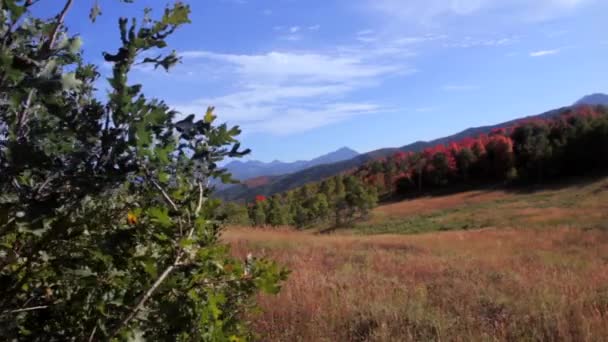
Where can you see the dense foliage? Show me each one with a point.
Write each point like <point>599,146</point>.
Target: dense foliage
<point>106,226</point>
<point>336,200</point>
<point>575,143</point>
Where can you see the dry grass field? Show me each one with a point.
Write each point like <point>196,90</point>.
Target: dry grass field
<point>476,266</point>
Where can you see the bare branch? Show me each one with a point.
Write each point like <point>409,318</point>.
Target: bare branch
<point>46,182</point>
<point>58,24</point>
<point>93,333</point>
<point>22,117</point>
<point>164,193</point>
<point>147,296</point>
<point>200,199</point>
<point>33,308</point>
<point>8,223</point>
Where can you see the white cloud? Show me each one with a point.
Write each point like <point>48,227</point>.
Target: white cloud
<point>425,109</point>
<point>403,43</point>
<point>303,67</point>
<point>459,87</point>
<point>428,10</point>
<point>302,119</point>
<point>287,92</point>
<point>469,42</point>
<point>379,46</point>
<point>283,110</point>
<point>291,37</point>
<point>365,32</point>
<point>238,2</point>
<point>294,33</point>
<point>542,53</point>
<point>557,33</point>
<point>366,36</point>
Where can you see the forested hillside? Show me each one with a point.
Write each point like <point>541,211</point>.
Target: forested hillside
<point>282,183</point>
<point>573,142</point>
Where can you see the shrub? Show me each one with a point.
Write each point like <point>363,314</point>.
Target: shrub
<point>106,226</point>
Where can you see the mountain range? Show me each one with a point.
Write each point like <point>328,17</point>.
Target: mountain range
<point>268,184</point>
<point>250,171</point>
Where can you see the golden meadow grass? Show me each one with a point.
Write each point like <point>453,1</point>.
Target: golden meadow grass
<point>544,279</point>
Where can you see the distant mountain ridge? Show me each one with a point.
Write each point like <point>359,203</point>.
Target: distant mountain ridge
<point>244,170</point>
<point>281,183</point>
<point>593,100</point>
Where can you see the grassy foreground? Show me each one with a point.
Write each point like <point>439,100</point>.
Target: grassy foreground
<point>528,267</point>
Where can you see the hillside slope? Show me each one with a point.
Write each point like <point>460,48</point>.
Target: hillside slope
<point>283,183</point>
<point>518,265</point>
<point>580,203</point>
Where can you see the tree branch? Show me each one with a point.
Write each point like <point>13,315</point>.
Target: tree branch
<point>176,263</point>
<point>93,333</point>
<point>46,48</point>
<point>8,223</point>
<point>33,308</point>
<point>200,199</point>
<point>147,296</point>
<point>21,118</point>
<point>164,193</point>
<point>60,20</point>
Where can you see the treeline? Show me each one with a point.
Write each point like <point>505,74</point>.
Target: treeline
<point>574,143</point>
<point>336,200</point>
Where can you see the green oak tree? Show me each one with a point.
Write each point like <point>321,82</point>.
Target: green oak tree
<point>107,230</point>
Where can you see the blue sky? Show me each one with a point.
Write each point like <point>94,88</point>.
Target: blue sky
<point>305,77</point>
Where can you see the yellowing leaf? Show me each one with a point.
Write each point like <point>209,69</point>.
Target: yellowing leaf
<point>131,218</point>
<point>209,117</point>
